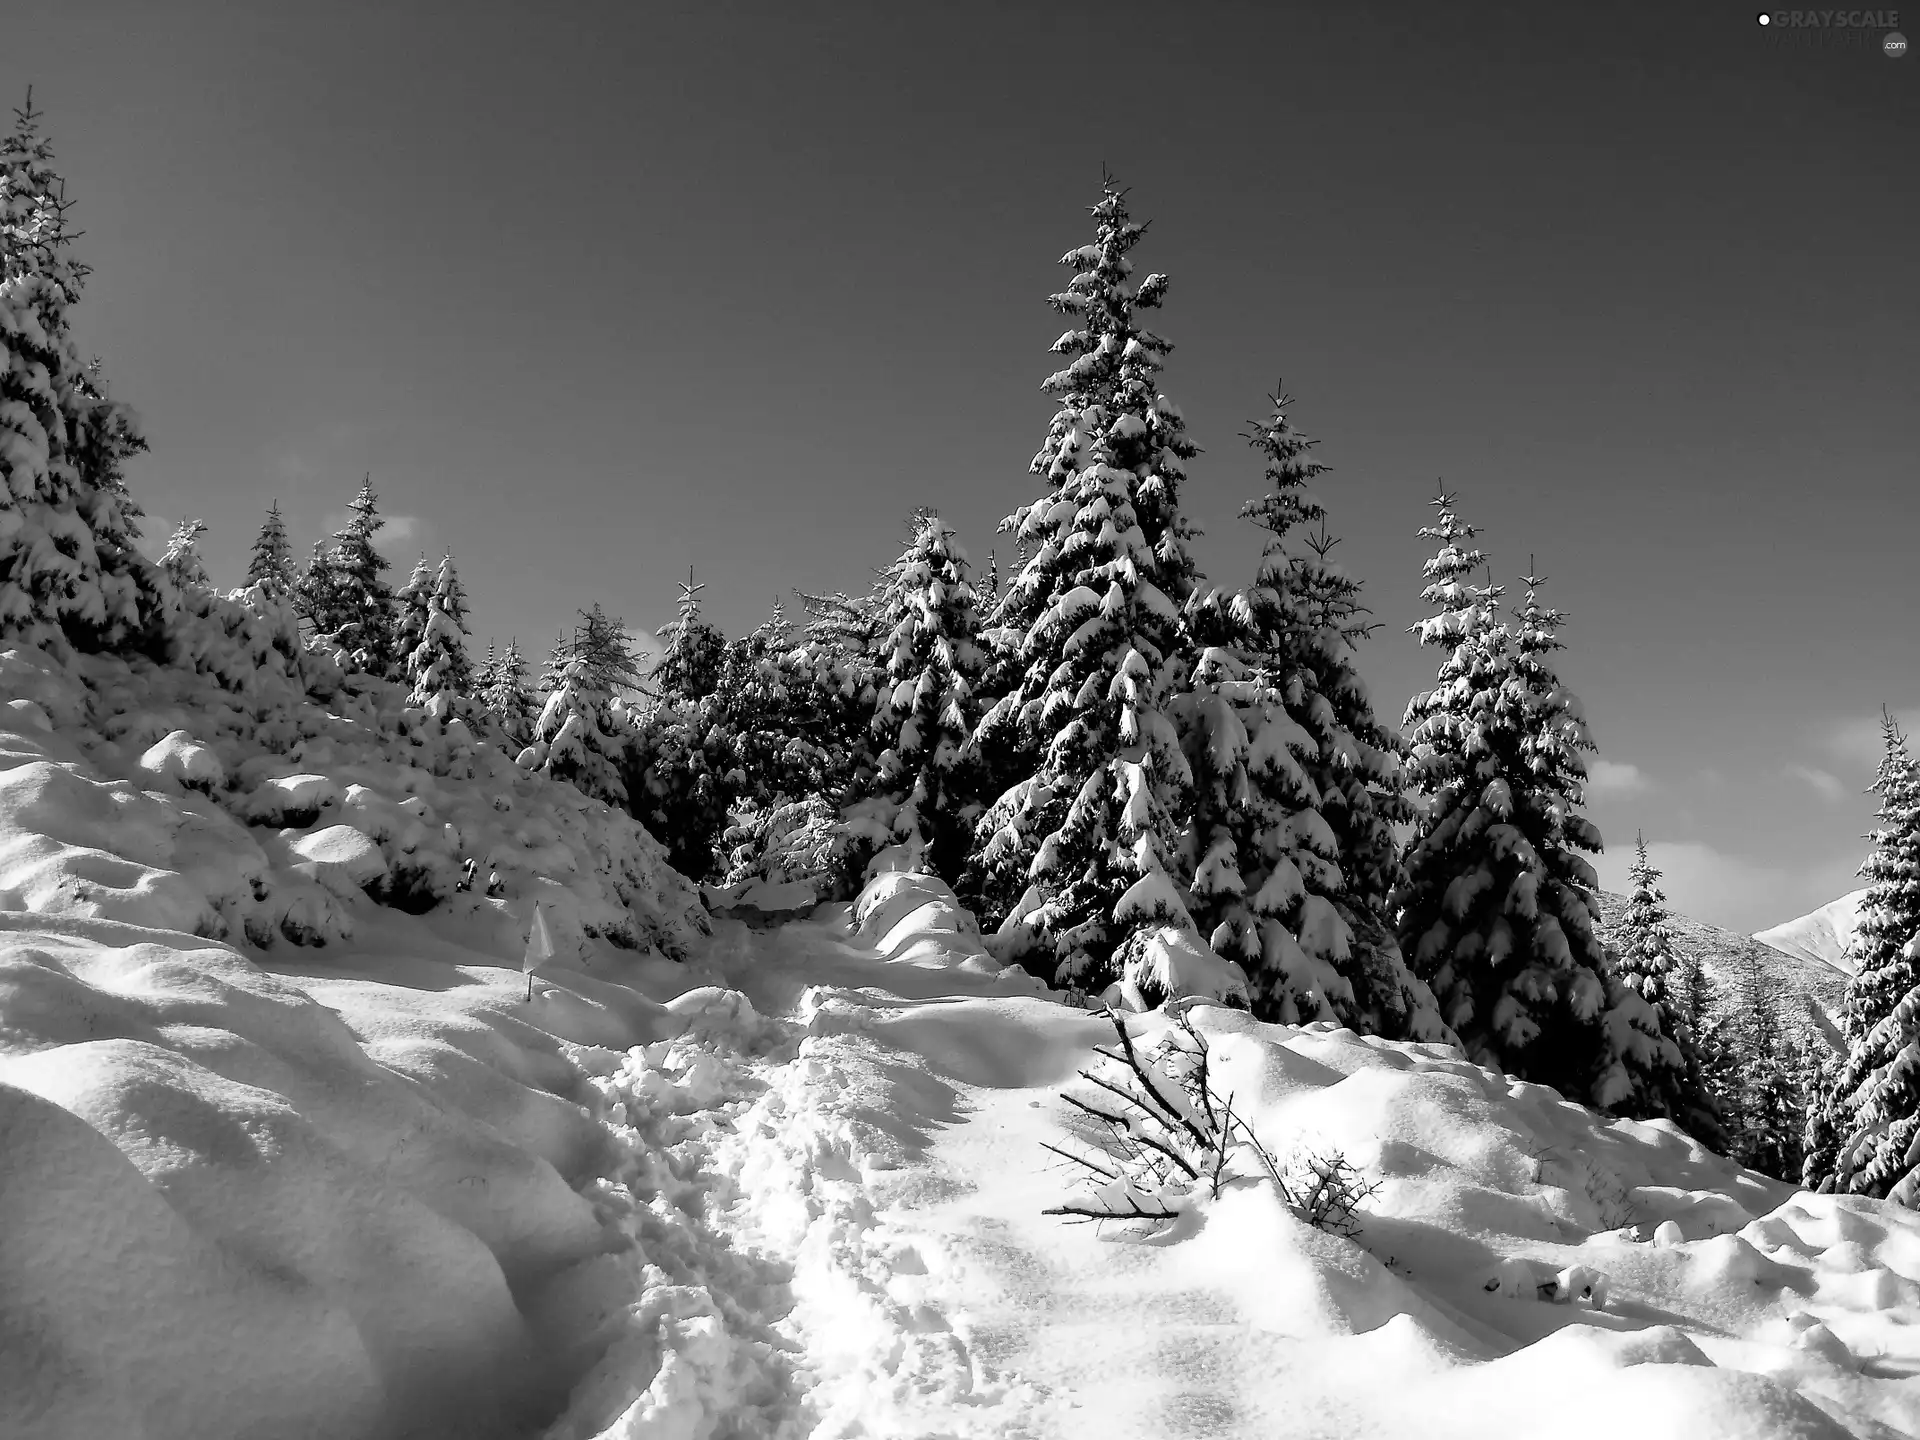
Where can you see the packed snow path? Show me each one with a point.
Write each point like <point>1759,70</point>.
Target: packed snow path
<point>773,1298</point>
<point>837,1177</point>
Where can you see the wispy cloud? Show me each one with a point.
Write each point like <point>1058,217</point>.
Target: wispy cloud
<point>1828,786</point>
<point>1855,741</point>
<point>155,531</point>
<point>1613,777</point>
<point>400,532</point>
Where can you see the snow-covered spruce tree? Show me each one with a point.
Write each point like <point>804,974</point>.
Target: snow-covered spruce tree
<point>1098,649</point>
<point>605,644</point>
<point>674,770</point>
<point>1770,1114</point>
<point>506,697</point>
<point>750,702</point>
<point>349,601</point>
<point>832,690</point>
<point>1819,1082</point>
<point>790,740</point>
<point>931,659</point>
<point>1496,911</point>
<point>1297,785</point>
<point>313,588</point>
<point>1883,970</point>
<point>556,664</point>
<point>410,610</point>
<point>489,668</point>
<point>70,572</point>
<point>1875,1113</point>
<point>689,665</point>
<point>1873,1110</point>
<point>576,738</point>
<point>180,562</point>
<point>1649,966</point>
<point>271,566</point>
<point>438,664</point>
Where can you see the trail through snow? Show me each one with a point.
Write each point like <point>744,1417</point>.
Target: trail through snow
<point>836,1177</point>
<point>775,1298</point>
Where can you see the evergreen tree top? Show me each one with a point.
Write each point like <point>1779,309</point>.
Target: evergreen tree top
<point>271,564</point>
<point>1288,504</point>
<point>181,560</point>
<point>1445,571</point>
<point>364,506</point>
<point>447,587</point>
<point>1116,440</point>
<point>34,239</point>
<point>688,606</point>
<point>1643,877</point>
<point>1885,963</point>
<point>1539,624</point>
<point>604,645</point>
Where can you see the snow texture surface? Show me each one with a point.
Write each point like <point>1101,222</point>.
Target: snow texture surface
<point>1822,934</point>
<point>721,1181</point>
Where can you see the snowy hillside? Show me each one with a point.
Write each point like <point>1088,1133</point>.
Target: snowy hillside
<point>290,1152</point>
<point>1822,935</point>
<point>1727,956</point>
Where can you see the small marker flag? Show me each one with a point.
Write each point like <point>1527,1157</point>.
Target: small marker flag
<point>539,946</point>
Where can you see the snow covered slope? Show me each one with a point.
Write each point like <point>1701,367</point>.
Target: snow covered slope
<point>1822,935</point>
<point>282,1158</point>
<point>1728,957</point>
<point>866,1117</point>
<point>715,1181</point>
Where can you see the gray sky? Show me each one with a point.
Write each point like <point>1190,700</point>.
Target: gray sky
<point>597,292</point>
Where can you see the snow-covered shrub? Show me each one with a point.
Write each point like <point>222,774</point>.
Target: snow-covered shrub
<point>1326,1191</point>
<point>1171,963</point>
<point>804,840</point>
<point>1168,1138</point>
<point>283,798</point>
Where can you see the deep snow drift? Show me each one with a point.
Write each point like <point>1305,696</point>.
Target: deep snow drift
<point>756,1183</point>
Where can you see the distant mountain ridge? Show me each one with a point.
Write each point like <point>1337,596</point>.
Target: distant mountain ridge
<point>1822,934</point>
<point>1726,957</point>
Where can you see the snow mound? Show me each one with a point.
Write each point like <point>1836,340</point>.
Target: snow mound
<point>240,1203</point>
<point>1822,934</point>
<point>1501,1272</point>
<point>227,802</point>
<point>1171,963</point>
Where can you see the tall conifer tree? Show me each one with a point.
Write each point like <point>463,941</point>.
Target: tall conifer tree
<point>1297,784</point>
<point>438,663</point>
<point>1872,1114</point>
<point>1093,631</point>
<point>1497,910</point>
<point>1650,966</point>
<point>930,661</point>
<point>271,566</point>
<point>181,562</point>
<point>70,569</point>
